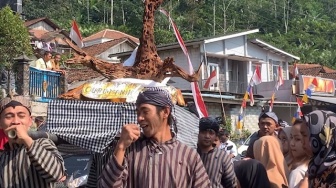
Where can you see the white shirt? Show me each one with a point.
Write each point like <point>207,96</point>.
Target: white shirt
<point>297,175</point>
<point>40,64</point>
<point>229,147</point>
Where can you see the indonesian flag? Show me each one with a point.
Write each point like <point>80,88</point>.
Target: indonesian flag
<point>296,71</point>
<point>211,80</point>
<point>75,34</point>
<point>256,78</point>
<point>280,80</point>
<point>200,106</point>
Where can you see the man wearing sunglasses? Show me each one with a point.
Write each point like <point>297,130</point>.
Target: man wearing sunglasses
<point>216,162</point>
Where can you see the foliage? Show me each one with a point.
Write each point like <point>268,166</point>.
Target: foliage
<point>227,124</point>
<point>14,40</point>
<point>304,28</point>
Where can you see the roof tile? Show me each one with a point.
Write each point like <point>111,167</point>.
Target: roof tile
<point>110,34</point>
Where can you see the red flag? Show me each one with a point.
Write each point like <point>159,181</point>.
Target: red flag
<point>211,80</point>
<point>296,71</point>
<point>299,102</point>
<point>200,106</point>
<point>314,82</point>
<point>75,34</point>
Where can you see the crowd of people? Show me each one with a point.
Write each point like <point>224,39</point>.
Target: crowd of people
<point>147,153</point>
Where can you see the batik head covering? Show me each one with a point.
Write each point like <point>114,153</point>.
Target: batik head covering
<point>322,141</point>
<point>267,150</point>
<point>13,101</point>
<point>158,97</point>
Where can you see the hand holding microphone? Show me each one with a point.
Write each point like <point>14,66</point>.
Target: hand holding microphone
<point>19,134</point>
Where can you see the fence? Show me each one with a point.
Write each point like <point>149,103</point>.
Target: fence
<point>44,85</point>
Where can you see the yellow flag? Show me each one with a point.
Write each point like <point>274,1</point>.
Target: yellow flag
<point>305,98</point>
<point>246,96</point>
<point>293,120</point>
<point>239,125</point>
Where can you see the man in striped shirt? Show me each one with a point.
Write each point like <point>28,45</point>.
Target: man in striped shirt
<point>217,163</point>
<point>156,158</point>
<point>24,162</point>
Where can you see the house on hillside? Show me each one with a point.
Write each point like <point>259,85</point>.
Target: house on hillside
<point>48,36</point>
<point>103,50</point>
<point>234,57</point>
<point>107,35</point>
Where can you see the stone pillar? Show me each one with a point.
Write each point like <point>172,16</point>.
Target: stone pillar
<point>63,83</point>
<point>21,69</point>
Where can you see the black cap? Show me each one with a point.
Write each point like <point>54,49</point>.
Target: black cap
<point>206,123</point>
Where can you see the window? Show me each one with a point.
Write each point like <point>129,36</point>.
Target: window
<point>275,66</point>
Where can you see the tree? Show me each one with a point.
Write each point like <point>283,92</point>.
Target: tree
<point>14,40</point>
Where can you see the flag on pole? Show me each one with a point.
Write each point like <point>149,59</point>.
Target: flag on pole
<point>280,80</point>
<point>211,80</point>
<point>200,106</point>
<point>296,71</point>
<point>75,34</point>
<point>256,78</point>
<point>240,118</point>
<point>309,90</point>
<point>297,115</point>
<point>299,102</point>
<point>250,92</point>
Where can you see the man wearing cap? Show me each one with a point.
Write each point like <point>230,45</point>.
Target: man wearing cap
<point>26,162</point>
<point>155,158</point>
<point>216,162</point>
<point>268,125</point>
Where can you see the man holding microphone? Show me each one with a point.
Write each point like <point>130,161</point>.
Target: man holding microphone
<point>26,162</point>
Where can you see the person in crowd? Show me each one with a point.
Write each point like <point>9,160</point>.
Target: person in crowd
<point>227,145</point>
<point>284,137</point>
<point>251,174</point>
<point>216,162</point>
<point>40,123</point>
<point>300,158</point>
<point>154,158</point>
<point>268,125</point>
<point>26,162</point>
<point>267,150</point>
<point>44,63</point>
<point>217,142</point>
<point>319,141</point>
<point>56,63</point>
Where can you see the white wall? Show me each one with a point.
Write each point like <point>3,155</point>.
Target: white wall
<point>235,46</point>
<point>41,26</point>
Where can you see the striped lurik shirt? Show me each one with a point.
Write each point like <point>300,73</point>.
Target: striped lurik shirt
<point>99,161</point>
<point>148,164</point>
<point>219,168</point>
<point>39,167</point>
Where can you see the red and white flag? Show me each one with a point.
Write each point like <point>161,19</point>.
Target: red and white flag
<point>211,80</point>
<point>200,106</point>
<point>75,34</point>
<point>280,80</point>
<point>256,78</point>
<point>296,71</point>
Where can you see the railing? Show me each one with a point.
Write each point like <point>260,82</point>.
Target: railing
<point>44,85</point>
<point>229,86</point>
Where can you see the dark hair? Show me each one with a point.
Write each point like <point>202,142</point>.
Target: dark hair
<point>57,54</point>
<point>299,121</point>
<point>220,133</point>
<point>170,116</point>
<point>226,132</point>
<point>47,53</point>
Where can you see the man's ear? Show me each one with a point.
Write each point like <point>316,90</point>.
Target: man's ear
<point>166,112</point>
